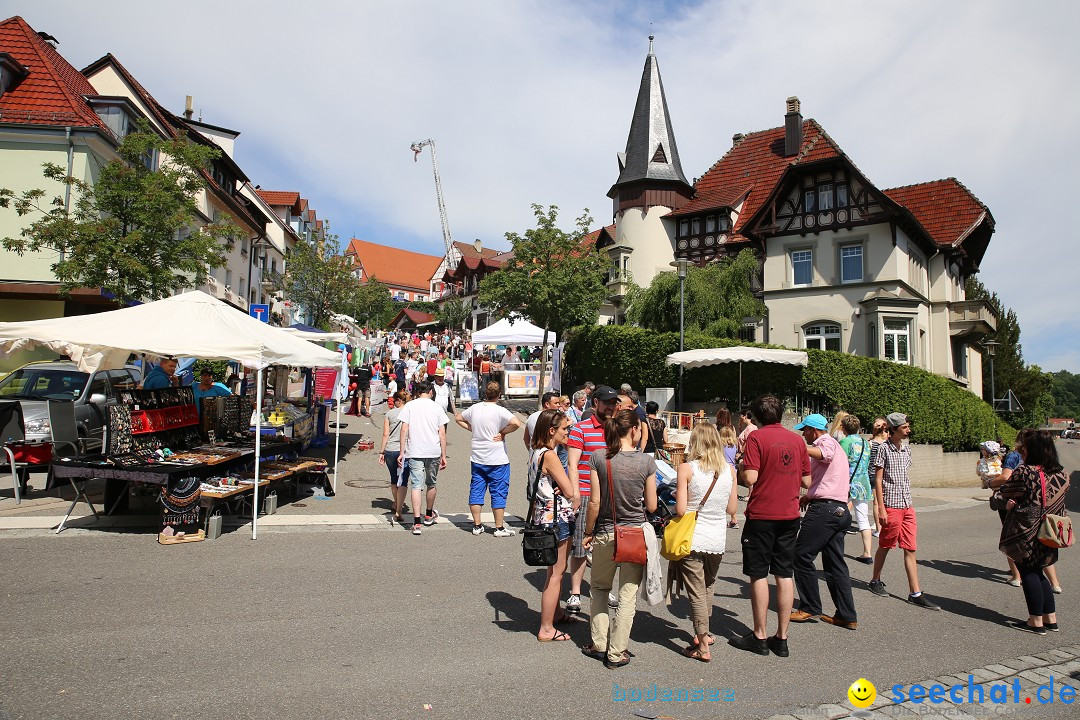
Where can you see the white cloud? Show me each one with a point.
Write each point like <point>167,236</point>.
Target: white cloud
<point>530,101</point>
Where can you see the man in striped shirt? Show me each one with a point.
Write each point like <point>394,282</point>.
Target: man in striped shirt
<point>586,437</point>
<point>894,510</point>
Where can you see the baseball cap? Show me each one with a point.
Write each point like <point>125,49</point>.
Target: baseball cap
<point>604,394</point>
<point>816,421</point>
<point>896,419</point>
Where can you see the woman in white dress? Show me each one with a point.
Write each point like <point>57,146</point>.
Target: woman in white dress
<point>705,484</point>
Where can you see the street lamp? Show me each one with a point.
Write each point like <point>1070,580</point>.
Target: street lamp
<point>991,347</point>
<point>680,266</point>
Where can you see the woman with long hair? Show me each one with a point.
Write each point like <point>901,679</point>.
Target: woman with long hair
<point>730,442</point>
<point>1037,486</point>
<point>627,492</point>
<point>836,427</point>
<point>705,483</point>
<point>879,435</point>
<point>391,448</point>
<point>555,504</point>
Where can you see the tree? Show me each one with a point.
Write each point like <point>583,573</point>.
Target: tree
<point>1065,387</point>
<point>718,297</point>
<point>133,232</point>
<point>551,279</point>
<point>372,304</point>
<point>453,313</point>
<point>1029,383</point>
<point>320,280</point>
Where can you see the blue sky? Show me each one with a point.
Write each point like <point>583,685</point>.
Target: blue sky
<point>530,102</point>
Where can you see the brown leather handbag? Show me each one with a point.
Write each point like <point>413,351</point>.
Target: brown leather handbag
<point>629,539</point>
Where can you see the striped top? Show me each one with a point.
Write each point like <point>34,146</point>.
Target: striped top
<point>587,436</point>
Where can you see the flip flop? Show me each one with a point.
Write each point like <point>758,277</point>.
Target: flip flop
<point>559,636</point>
<point>694,653</point>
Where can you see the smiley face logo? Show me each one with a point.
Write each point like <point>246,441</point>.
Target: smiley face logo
<point>862,693</point>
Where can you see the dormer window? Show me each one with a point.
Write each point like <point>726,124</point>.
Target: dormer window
<point>118,114</point>
<point>11,73</point>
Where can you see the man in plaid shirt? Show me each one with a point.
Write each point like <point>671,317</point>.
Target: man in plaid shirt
<point>895,514</point>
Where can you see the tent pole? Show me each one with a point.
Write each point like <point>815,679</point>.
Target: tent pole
<point>738,401</point>
<point>337,445</point>
<point>258,452</point>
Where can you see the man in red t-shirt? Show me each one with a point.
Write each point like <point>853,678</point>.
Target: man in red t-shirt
<point>586,437</point>
<point>775,466</point>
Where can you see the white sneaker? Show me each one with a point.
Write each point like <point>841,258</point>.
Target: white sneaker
<point>573,604</point>
<point>478,530</point>
<point>503,532</point>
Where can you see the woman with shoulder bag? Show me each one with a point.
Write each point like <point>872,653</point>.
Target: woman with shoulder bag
<point>623,488</point>
<point>705,483</point>
<point>1034,489</point>
<point>1013,460</point>
<point>554,504</point>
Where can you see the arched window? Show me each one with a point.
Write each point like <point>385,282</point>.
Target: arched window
<point>822,336</point>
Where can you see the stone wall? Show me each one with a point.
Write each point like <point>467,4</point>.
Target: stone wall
<point>931,467</point>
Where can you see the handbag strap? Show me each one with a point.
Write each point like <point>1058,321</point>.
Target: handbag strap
<point>536,481</point>
<point>856,467</point>
<point>1042,483</point>
<point>715,477</point>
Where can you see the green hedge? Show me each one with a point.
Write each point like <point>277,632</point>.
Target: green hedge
<point>941,412</point>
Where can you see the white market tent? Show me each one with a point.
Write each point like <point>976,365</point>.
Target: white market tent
<point>318,337</point>
<point>191,324</point>
<point>513,331</point>
<point>740,354</point>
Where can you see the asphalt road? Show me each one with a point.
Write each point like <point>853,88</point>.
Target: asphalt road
<point>376,623</point>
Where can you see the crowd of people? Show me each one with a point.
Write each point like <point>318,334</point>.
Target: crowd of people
<point>593,469</point>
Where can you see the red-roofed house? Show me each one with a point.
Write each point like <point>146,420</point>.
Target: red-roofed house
<point>48,113</point>
<point>844,265</point>
<point>472,263</point>
<point>407,274</point>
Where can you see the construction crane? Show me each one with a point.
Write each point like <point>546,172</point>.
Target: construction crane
<point>418,147</point>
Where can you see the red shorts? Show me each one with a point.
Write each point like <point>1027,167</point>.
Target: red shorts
<point>900,528</point>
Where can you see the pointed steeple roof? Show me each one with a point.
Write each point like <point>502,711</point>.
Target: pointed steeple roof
<point>651,153</point>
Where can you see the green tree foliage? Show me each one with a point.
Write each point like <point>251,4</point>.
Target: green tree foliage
<point>453,314</point>
<point>132,232</point>
<point>1029,383</point>
<point>941,412</point>
<point>551,279</point>
<point>320,280</point>
<point>1065,387</point>
<point>372,304</point>
<point>718,297</point>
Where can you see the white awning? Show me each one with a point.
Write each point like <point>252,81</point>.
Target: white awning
<point>513,331</point>
<point>739,354</point>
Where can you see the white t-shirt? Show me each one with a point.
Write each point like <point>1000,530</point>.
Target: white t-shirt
<point>410,365</point>
<point>487,419</point>
<point>395,351</point>
<point>442,396</point>
<point>424,419</point>
<point>530,424</point>
<point>391,387</point>
<point>423,346</point>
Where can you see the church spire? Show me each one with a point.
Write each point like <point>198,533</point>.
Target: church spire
<point>651,154</point>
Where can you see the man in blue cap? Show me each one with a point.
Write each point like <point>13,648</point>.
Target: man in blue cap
<point>823,528</point>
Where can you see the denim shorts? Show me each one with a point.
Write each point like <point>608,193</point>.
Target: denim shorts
<point>563,530</point>
<point>423,471</point>
<point>399,476</point>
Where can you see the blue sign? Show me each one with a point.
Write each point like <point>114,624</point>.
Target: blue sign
<point>259,312</point>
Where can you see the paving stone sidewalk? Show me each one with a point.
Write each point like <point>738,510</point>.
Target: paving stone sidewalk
<point>1062,665</point>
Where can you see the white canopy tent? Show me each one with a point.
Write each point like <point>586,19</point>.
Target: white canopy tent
<point>317,337</point>
<point>714,356</point>
<point>513,331</point>
<point>191,324</point>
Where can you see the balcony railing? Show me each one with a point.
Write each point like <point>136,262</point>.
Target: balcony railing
<point>971,317</point>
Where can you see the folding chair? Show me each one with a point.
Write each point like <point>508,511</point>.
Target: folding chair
<point>12,432</point>
<point>67,444</point>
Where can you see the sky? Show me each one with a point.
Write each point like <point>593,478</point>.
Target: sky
<point>528,101</point>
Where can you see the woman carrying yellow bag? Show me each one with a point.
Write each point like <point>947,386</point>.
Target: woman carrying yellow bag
<point>705,482</point>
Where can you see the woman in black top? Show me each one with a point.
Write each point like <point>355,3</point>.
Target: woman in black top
<point>657,428</point>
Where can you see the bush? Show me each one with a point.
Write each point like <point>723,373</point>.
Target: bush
<point>940,411</point>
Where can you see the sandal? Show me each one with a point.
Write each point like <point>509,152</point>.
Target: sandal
<point>695,640</point>
<point>694,653</point>
<point>617,664</point>
<point>591,651</point>
<point>559,636</point>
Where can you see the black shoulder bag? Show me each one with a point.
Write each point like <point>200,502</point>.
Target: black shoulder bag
<point>539,545</point>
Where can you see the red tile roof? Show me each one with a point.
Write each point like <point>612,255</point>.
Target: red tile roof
<point>52,92</point>
<point>415,317</point>
<point>279,197</point>
<point>468,250</point>
<point>589,240</point>
<point>395,267</point>
<point>752,168</point>
<point>946,209</point>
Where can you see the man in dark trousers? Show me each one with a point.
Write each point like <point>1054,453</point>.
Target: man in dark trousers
<point>823,528</point>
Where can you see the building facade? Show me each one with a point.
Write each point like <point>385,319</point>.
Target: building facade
<point>842,264</point>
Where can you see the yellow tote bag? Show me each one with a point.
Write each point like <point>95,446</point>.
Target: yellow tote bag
<point>679,533</point>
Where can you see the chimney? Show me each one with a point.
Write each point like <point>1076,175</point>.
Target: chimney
<point>188,108</point>
<point>792,127</point>
<point>478,246</point>
<point>736,139</point>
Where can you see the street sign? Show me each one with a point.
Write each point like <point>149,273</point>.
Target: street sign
<point>259,312</point>
<point>1010,403</point>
